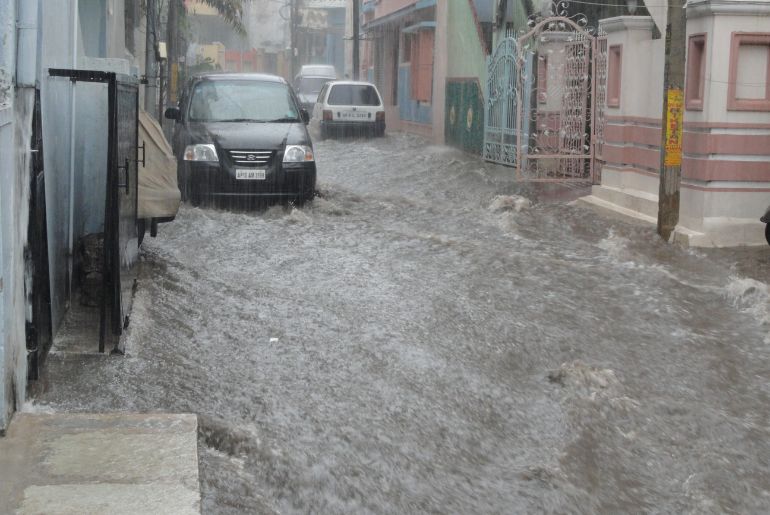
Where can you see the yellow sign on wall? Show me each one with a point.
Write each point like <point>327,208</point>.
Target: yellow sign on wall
<point>674,122</point>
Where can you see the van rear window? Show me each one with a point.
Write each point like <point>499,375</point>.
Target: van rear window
<point>353,94</point>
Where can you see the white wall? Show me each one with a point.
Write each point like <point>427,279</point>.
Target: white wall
<point>642,66</point>
<point>15,130</point>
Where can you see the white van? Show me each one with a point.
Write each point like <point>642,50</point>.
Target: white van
<point>309,81</point>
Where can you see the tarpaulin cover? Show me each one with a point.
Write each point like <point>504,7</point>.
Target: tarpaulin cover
<point>159,195</point>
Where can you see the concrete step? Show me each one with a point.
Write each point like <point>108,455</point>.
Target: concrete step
<point>619,207</point>
<point>118,463</point>
<point>642,202</point>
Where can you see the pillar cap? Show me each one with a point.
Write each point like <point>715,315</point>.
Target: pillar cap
<point>622,23</point>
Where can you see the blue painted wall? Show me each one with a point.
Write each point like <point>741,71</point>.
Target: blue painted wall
<point>408,109</point>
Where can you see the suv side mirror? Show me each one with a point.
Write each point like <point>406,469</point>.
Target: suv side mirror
<point>173,113</point>
<point>304,115</point>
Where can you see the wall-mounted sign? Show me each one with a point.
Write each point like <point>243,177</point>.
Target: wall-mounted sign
<point>673,128</point>
<point>313,19</point>
<point>324,4</point>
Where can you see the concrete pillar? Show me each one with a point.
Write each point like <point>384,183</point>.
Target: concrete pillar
<point>440,65</point>
<point>725,169</point>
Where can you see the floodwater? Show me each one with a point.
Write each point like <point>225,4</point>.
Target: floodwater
<point>428,336</point>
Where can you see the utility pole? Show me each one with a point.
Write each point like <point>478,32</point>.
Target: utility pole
<point>150,66</point>
<point>293,69</point>
<point>171,43</point>
<point>672,120</point>
<point>356,39</point>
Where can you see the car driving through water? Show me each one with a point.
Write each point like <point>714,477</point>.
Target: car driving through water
<point>242,138</point>
<point>349,108</point>
<point>310,80</point>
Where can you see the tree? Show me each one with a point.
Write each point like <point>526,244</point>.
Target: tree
<point>230,10</point>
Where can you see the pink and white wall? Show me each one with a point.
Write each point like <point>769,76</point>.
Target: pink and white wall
<point>725,184</point>
<point>630,151</point>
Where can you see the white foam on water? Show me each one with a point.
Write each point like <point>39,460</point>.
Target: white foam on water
<point>297,216</point>
<point>35,408</point>
<point>752,297</point>
<point>615,246</point>
<point>508,203</point>
<point>328,207</point>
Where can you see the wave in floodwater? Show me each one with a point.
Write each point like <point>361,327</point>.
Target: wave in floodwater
<point>752,297</point>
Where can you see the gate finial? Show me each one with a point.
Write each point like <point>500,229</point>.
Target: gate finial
<point>558,9</point>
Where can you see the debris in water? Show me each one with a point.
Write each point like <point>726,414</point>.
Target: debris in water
<point>506,203</point>
<point>579,375</point>
<point>91,258</point>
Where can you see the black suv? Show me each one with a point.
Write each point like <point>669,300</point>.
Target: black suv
<point>241,138</point>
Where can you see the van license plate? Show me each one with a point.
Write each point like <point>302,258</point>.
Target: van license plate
<point>250,175</point>
<point>354,116</point>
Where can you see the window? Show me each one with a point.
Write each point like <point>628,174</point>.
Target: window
<point>696,70</point>
<point>311,85</point>
<point>422,66</point>
<point>614,74</point>
<point>241,100</point>
<point>748,86</point>
<point>322,94</point>
<point>350,94</point>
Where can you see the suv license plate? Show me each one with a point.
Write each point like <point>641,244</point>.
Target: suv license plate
<point>250,175</point>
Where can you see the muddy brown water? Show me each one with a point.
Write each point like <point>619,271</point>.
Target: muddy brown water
<point>419,339</point>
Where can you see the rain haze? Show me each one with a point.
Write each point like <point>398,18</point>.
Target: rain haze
<point>388,256</point>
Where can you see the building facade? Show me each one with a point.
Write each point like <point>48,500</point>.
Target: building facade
<point>69,182</point>
<point>399,55</point>
<point>725,183</point>
<point>429,61</point>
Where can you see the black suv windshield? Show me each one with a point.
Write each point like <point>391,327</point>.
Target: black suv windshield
<point>241,100</point>
<point>353,95</point>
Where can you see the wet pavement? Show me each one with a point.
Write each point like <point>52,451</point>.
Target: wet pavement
<point>422,339</point>
<point>117,463</point>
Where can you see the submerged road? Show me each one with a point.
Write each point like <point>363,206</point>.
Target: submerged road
<point>424,339</point>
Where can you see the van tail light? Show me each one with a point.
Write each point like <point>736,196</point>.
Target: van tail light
<point>327,115</point>
<point>380,116</point>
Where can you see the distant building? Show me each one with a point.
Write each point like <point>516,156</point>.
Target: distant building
<point>263,48</point>
<point>428,59</point>
<point>321,33</point>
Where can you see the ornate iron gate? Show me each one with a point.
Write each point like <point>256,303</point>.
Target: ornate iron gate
<point>541,99</point>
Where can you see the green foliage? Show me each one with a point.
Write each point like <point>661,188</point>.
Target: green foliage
<point>231,11</point>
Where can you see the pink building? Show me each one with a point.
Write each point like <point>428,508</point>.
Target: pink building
<point>725,184</point>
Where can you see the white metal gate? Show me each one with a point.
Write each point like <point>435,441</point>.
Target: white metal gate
<point>541,102</point>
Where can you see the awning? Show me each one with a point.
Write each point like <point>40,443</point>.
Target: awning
<point>423,25</point>
<point>394,16</point>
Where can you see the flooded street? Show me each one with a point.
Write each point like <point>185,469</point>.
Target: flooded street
<point>428,336</point>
